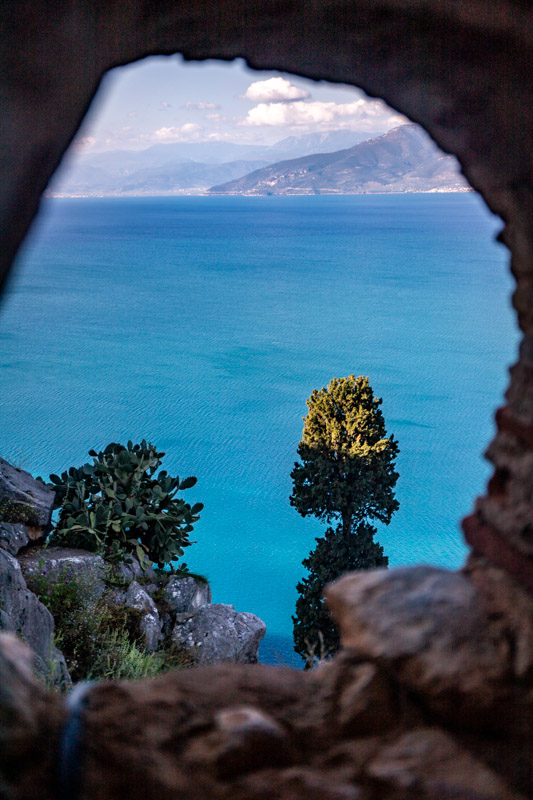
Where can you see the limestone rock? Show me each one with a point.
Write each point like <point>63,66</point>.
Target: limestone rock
<point>132,570</point>
<point>431,628</point>
<point>13,536</point>
<point>150,623</point>
<point>6,623</point>
<point>24,614</point>
<point>186,594</point>
<point>216,633</point>
<point>427,763</point>
<point>62,563</point>
<point>20,488</point>
<point>116,597</point>
<point>28,616</point>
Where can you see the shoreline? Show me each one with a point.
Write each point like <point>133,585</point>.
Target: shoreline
<point>57,196</point>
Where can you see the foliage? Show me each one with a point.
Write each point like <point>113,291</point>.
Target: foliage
<point>11,511</point>
<point>77,616</point>
<point>315,635</point>
<point>118,505</point>
<point>347,460</point>
<point>122,659</point>
<point>99,639</point>
<point>346,475</point>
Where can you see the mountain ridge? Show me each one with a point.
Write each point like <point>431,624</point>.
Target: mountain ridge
<point>403,160</point>
<point>182,167</point>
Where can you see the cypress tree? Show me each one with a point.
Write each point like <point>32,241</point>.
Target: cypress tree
<point>315,635</point>
<point>346,476</point>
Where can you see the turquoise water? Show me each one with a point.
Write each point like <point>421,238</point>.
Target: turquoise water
<point>203,324</point>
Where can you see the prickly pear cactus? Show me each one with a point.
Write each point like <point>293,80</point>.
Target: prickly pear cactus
<point>119,504</point>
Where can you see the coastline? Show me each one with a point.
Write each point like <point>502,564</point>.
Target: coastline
<point>206,193</point>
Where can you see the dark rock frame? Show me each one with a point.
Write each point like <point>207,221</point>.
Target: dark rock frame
<point>463,70</point>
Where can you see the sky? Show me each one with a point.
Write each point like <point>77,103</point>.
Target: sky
<point>165,99</point>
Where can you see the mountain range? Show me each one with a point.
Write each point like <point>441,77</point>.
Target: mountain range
<point>183,167</point>
<point>403,160</point>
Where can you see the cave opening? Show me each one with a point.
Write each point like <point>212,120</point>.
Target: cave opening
<point>418,310</point>
<point>445,706</point>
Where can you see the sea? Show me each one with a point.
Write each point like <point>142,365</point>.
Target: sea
<point>202,324</point>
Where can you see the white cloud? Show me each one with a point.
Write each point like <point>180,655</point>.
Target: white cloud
<point>275,90</point>
<point>363,115</point>
<point>165,104</point>
<point>220,136</point>
<point>183,133</point>
<point>201,106</point>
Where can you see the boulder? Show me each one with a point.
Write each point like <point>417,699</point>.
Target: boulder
<point>30,618</point>
<point>368,702</point>
<point>115,596</point>
<point>149,623</point>
<point>61,563</point>
<point>6,623</point>
<point>427,763</point>
<point>19,491</point>
<point>430,627</point>
<point>24,614</point>
<point>186,594</point>
<point>247,739</point>
<point>133,571</point>
<point>217,633</point>
<point>13,536</point>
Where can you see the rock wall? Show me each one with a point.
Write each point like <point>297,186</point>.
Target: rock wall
<point>430,699</point>
<point>22,497</point>
<point>22,613</point>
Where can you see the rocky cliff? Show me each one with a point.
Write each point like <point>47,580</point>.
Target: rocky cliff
<point>168,611</point>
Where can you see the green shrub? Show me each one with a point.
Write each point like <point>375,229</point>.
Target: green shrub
<point>99,639</point>
<point>117,505</point>
<point>122,659</point>
<point>78,615</point>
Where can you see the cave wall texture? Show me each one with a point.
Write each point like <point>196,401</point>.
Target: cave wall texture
<point>461,68</point>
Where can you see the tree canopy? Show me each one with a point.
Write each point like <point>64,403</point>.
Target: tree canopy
<point>346,476</point>
<point>347,465</point>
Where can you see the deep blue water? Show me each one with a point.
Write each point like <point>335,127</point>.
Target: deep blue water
<point>203,324</point>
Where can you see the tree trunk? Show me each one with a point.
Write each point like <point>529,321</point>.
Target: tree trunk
<point>346,525</point>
